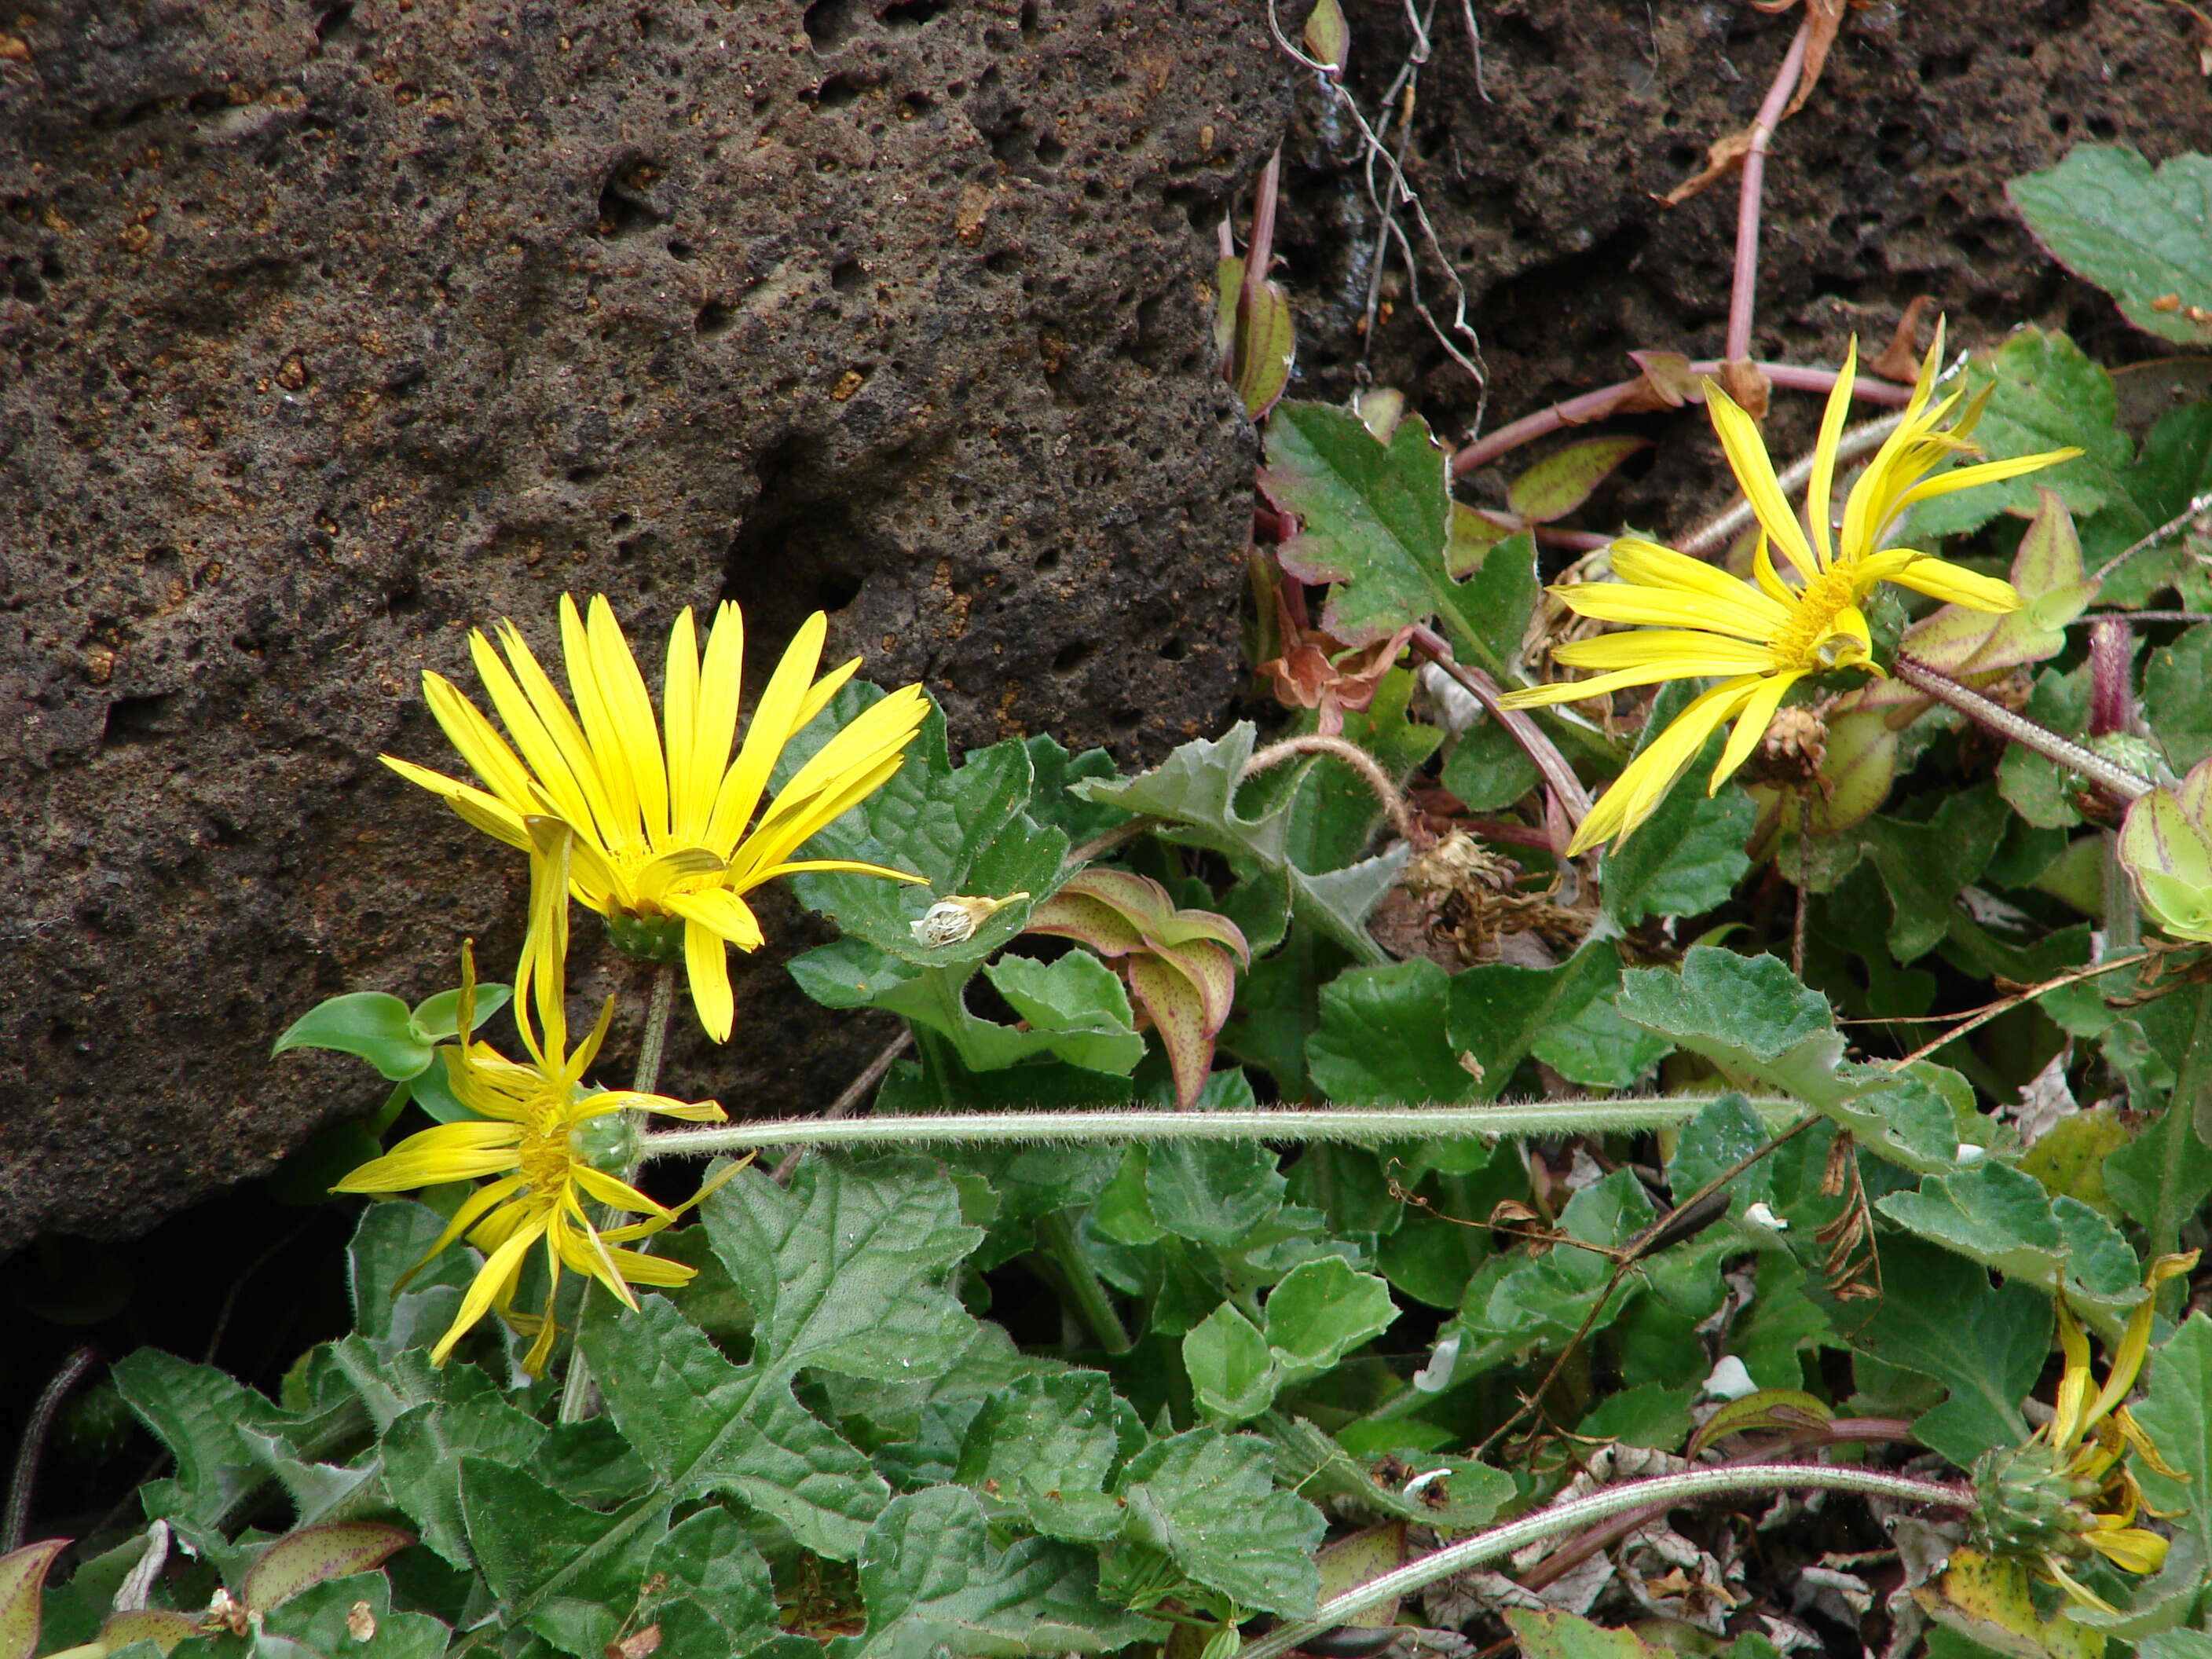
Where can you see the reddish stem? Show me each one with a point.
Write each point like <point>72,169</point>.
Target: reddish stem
<point>2112,662</point>
<point>1744,290</point>
<point>1596,406</point>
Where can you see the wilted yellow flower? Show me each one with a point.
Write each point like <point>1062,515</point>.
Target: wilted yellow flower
<point>529,1133</point>
<point>1760,638</point>
<point>661,845</point>
<point>2068,1490</point>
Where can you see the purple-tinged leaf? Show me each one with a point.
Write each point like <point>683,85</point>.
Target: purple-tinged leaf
<point>1563,480</point>
<point>302,1559</point>
<point>22,1583</point>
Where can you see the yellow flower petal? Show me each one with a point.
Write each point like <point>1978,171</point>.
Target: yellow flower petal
<point>707,968</point>
<point>773,719</point>
<point>1643,783</point>
<point>495,1277</point>
<point>1750,725</point>
<point>432,1157</point>
<point>1754,476</point>
<point>1819,486</point>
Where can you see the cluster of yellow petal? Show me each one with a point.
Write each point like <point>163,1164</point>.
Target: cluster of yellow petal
<point>527,1136</point>
<point>1760,638</point>
<point>643,820</point>
<point>660,816</point>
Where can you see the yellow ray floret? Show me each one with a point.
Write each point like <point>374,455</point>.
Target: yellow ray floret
<point>1760,638</point>
<point>659,808</point>
<point>527,1135</point>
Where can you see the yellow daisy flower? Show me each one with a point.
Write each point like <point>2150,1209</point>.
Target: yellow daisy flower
<point>2068,1490</point>
<point>1761,637</point>
<point>529,1133</point>
<point>661,845</point>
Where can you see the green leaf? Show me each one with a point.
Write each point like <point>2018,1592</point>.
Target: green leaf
<point>1688,858</point>
<point>1650,1414</point>
<point>2035,786</point>
<point>2176,696</point>
<point>2176,1413</point>
<point>1321,1310</point>
<point>437,1018</point>
<point>1384,1038</point>
<point>844,1271</point>
<point>1044,1447</point>
<point>1460,1496</point>
<point>422,1453</point>
<point>228,1440</point>
<point>369,1024</point>
<point>1766,1031</point>
<point>1721,1135</point>
<point>1925,864</point>
<point>964,831</point>
<point>932,1583</point>
<point>1939,1314</point>
<point>1500,1014</point>
<point>1196,788</point>
<point>1373,517</point>
<point>1213,1193</point>
<point>1596,1048</point>
<point>1548,1635</point>
<point>1488,769</point>
<point>1232,1374</point>
<point>2144,236</point>
<point>566,1572</point>
<point>1208,1501</point>
<point>1263,340</point>
<point>316,1622</point>
<point>1994,1214</point>
<point>2043,394</point>
<point>1075,1008</point>
<point>715,1601</point>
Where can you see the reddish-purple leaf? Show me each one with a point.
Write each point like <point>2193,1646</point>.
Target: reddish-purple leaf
<point>311,1556</point>
<point>23,1584</point>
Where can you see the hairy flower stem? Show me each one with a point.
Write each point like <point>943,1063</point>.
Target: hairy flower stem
<point>1371,774</point>
<point>1748,1480</point>
<point>2116,781</point>
<point>1359,1125</point>
<point>577,1394</point>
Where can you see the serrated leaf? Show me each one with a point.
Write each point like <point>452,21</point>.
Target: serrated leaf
<point>567,1573</point>
<point>22,1579</point>
<point>1766,1032</point>
<point>714,1599</point>
<point>1196,788</point>
<point>963,830</point>
<point>422,1454</point>
<point>1487,768</point>
<point>1384,1038</point>
<point>844,1271</point>
<point>1925,864</point>
<point>1940,1315</point>
<point>1373,517</point>
<point>2044,393</point>
<point>388,1241</point>
<point>932,1583</point>
<point>324,1620</point>
<point>371,1024</point>
<point>203,1416</point>
<point>2143,235</point>
<point>2176,1413</point>
<point>1994,1214</point>
<point>300,1560</point>
<point>1501,1013</point>
<point>1044,1447</point>
<point>1208,1501</point>
<point>1214,1193</point>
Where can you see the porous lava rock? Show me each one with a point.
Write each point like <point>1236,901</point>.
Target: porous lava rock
<point>330,329</point>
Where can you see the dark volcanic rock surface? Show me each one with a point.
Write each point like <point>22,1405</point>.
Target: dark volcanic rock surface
<point>328,330</point>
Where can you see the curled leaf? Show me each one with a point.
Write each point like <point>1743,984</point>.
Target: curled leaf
<point>23,1581</point>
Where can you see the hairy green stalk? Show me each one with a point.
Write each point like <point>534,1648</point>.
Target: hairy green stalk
<point>1359,1124</point>
<point>1746,1479</point>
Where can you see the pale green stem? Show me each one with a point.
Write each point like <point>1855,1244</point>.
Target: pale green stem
<point>1747,1479</point>
<point>1359,1124</point>
<point>1057,1238</point>
<point>576,1391</point>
